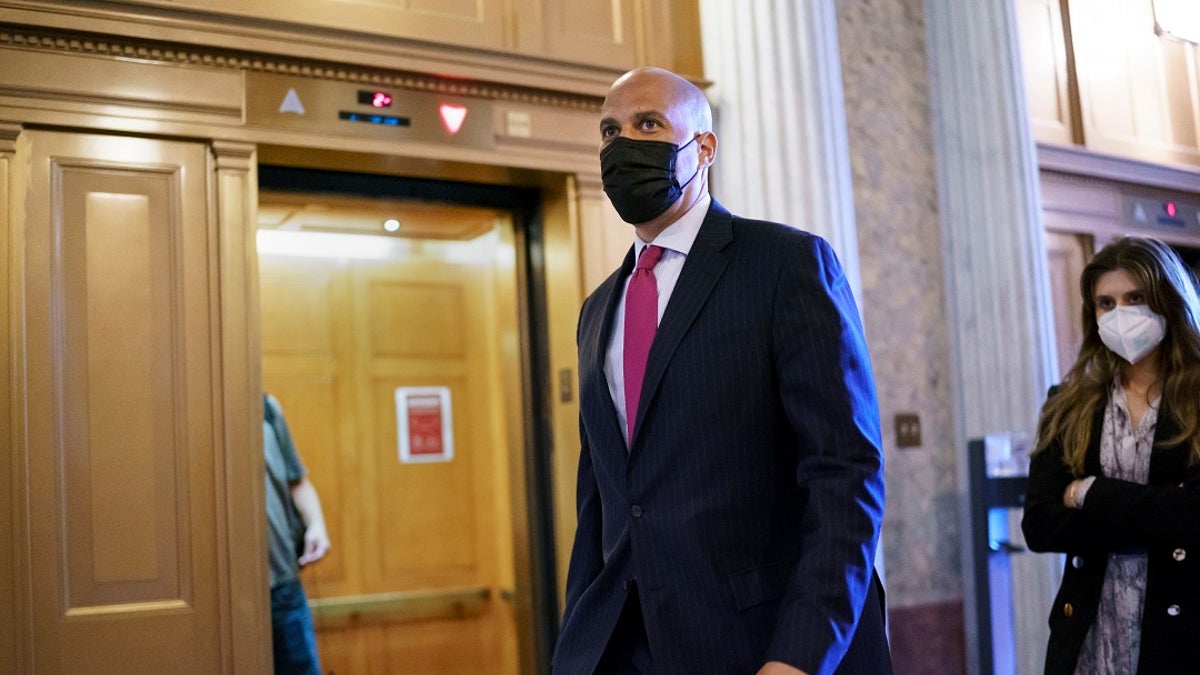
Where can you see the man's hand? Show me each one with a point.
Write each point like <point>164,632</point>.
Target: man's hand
<point>779,668</point>
<point>316,545</point>
<point>316,537</point>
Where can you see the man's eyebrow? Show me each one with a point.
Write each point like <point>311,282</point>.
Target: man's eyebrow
<point>639,115</point>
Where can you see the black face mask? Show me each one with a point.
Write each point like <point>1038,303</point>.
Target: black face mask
<point>639,177</point>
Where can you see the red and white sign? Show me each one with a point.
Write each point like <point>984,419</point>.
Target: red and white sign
<point>423,424</point>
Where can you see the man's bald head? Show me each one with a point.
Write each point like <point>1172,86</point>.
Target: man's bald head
<point>651,107</point>
<point>668,92</point>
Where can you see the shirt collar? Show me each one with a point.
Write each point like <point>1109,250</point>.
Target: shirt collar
<point>681,234</point>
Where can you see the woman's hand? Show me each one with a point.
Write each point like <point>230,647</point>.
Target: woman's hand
<point>1070,496</point>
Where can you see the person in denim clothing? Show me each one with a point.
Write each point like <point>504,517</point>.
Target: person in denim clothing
<point>296,537</point>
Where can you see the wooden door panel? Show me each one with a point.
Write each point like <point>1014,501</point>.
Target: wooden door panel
<point>428,524</point>
<point>593,32</point>
<point>1139,94</point>
<point>122,443</point>
<point>121,447</point>
<point>446,647</point>
<point>1044,67</point>
<point>470,23</point>
<point>297,315</point>
<point>1067,254</point>
<point>409,318</point>
<point>307,352</point>
<point>311,399</point>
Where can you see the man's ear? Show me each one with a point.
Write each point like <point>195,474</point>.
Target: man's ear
<point>707,141</point>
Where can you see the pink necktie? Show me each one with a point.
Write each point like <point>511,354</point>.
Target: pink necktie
<point>641,320</point>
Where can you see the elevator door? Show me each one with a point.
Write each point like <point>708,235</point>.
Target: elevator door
<point>1066,255</point>
<point>420,575</point>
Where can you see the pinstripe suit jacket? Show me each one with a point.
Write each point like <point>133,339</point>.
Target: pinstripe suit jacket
<point>748,507</point>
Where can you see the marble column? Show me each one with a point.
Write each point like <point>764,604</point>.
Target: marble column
<point>782,152</point>
<point>1001,339</point>
<point>778,107</point>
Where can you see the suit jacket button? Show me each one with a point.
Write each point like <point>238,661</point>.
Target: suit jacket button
<point>1179,555</point>
<point>1068,610</point>
<point>1173,610</point>
<point>1076,562</point>
<point>635,511</point>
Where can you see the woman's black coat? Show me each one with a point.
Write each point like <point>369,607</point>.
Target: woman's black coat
<point>1119,515</point>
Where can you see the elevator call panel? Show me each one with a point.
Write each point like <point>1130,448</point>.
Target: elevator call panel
<point>281,101</point>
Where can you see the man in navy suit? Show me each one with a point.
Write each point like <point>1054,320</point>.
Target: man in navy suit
<point>730,487</point>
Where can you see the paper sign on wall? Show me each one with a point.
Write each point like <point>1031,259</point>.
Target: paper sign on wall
<point>423,424</point>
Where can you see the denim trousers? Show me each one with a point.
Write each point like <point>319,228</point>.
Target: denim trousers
<point>293,639</point>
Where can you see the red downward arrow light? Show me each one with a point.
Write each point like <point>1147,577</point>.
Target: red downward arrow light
<point>452,116</point>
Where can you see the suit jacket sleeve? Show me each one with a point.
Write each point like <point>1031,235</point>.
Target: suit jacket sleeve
<point>827,389</point>
<point>587,555</point>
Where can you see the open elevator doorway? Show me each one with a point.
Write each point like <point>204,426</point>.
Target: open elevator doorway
<point>400,332</point>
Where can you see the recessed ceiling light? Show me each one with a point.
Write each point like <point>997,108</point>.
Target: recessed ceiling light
<point>391,225</point>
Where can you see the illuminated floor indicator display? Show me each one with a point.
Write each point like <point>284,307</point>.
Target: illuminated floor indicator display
<point>372,118</point>
<point>358,109</point>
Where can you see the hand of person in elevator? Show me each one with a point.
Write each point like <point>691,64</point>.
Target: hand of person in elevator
<point>316,537</point>
<point>316,545</point>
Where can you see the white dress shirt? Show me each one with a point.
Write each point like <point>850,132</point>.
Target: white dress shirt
<point>676,242</point>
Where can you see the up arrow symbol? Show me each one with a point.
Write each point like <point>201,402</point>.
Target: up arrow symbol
<point>291,103</point>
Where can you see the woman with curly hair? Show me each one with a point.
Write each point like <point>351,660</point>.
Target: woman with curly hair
<point>1115,478</point>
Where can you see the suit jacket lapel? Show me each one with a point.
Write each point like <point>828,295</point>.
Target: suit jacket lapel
<point>704,265</point>
<point>601,352</point>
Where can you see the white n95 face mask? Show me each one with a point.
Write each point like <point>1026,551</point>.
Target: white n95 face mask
<point>1131,331</point>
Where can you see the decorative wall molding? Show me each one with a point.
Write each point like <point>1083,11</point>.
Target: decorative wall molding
<point>1106,168</point>
<point>233,156</point>
<point>8,136</point>
<point>47,40</point>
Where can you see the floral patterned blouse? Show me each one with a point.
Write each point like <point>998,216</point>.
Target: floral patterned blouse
<point>1114,641</point>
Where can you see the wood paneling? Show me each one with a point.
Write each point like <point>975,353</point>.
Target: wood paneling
<point>1044,66</point>
<point>587,31</point>
<point>438,313</point>
<point>14,600</point>
<point>1067,254</point>
<point>124,460</point>
<point>411,318</point>
<point>118,394</point>
<point>240,492</point>
<point>460,38</point>
<point>429,523</point>
<point>308,362</point>
<point>468,23</point>
<point>1139,93</point>
<point>85,84</point>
